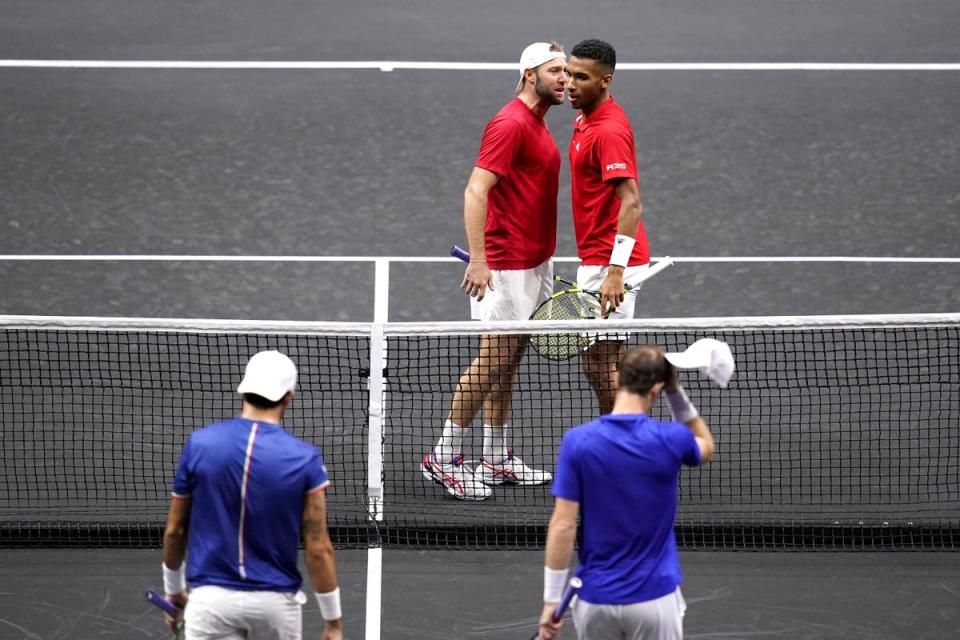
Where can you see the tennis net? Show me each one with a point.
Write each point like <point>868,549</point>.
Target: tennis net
<point>835,432</point>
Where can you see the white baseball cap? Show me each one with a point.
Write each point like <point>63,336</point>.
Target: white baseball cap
<point>711,357</point>
<point>269,374</point>
<point>534,56</point>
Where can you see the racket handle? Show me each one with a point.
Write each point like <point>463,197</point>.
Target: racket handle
<point>572,588</point>
<point>459,253</point>
<point>161,603</point>
<point>568,593</point>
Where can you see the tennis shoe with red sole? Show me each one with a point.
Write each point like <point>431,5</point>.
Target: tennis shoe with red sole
<point>454,477</point>
<point>512,470</point>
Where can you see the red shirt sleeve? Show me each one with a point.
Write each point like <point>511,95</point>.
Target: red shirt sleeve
<point>500,144</point>
<point>617,156</point>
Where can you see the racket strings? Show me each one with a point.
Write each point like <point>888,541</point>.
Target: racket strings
<point>574,304</point>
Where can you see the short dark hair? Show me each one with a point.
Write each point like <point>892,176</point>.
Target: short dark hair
<point>260,402</point>
<point>593,49</point>
<point>643,367</point>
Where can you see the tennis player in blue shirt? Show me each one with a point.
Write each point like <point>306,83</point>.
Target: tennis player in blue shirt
<point>244,492</point>
<point>620,474</point>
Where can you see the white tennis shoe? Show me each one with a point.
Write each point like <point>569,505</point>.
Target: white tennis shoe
<point>454,477</point>
<point>512,470</point>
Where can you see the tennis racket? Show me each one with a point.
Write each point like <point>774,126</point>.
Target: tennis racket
<point>572,588</point>
<point>571,303</point>
<point>167,607</point>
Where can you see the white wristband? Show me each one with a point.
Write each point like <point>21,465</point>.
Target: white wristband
<point>622,250</point>
<point>329,604</point>
<point>553,583</point>
<point>174,582</point>
<point>681,408</point>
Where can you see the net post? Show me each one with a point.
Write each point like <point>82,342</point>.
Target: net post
<point>377,390</point>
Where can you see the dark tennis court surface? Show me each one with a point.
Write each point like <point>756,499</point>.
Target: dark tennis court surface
<point>362,162</point>
<point>441,595</point>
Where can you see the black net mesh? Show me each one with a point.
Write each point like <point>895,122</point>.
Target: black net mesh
<point>827,438</point>
<point>94,422</point>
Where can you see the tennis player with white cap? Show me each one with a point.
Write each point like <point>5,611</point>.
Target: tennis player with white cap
<point>510,216</point>
<point>245,490</point>
<point>619,474</point>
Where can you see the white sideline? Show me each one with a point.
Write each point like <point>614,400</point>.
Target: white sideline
<point>392,65</point>
<point>119,257</point>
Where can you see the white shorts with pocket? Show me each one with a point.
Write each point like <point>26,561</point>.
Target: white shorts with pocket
<point>592,276</point>
<point>516,293</point>
<point>658,619</point>
<point>228,614</point>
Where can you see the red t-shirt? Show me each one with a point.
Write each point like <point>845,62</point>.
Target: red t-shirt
<point>602,150</point>
<point>521,230</point>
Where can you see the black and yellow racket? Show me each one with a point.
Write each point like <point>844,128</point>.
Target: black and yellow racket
<point>571,303</point>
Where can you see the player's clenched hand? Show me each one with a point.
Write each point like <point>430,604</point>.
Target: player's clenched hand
<point>548,628</point>
<point>477,279</point>
<point>180,600</point>
<point>612,290</point>
<point>333,630</point>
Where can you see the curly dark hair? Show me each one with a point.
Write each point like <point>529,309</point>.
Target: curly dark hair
<point>593,49</point>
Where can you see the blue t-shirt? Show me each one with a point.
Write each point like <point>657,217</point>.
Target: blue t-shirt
<point>623,470</point>
<point>248,483</point>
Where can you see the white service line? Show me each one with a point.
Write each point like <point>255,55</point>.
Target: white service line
<point>213,258</point>
<point>374,593</point>
<point>392,65</point>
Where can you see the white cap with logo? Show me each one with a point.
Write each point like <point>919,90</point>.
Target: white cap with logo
<point>269,374</point>
<point>534,56</point>
<point>711,357</point>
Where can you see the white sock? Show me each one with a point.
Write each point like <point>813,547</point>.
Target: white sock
<point>495,443</point>
<point>450,443</point>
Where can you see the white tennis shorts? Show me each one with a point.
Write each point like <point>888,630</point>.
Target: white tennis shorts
<point>516,293</point>
<point>659,619</point>
<point>228,614</point>
<point>592,276</point>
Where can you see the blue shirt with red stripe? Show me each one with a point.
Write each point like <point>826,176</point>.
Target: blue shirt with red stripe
<point>248,481</point>
<point>623,470</point>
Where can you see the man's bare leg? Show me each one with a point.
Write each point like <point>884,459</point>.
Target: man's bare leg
<point>599,363</point>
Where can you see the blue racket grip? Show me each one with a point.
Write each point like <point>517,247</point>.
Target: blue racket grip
<point>459,253</point>
<point>572,588</point>
<point>161,603</point>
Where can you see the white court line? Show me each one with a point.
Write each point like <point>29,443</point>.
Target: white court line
<point>691,259</point>
<point>392,65</point>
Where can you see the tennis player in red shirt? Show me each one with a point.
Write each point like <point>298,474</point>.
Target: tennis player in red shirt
<point>510,216</point>
<point>611,240</point>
